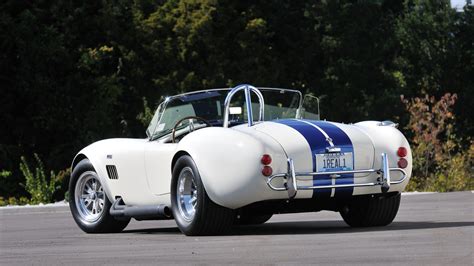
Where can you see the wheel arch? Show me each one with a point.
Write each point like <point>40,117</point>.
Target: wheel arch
<point>176,157</point>
<point>102,175</point>
<point>79,157</point>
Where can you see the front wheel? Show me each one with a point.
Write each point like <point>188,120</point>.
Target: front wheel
<point>365,212</point>
<point>88,202</point>
<point>195,213</point>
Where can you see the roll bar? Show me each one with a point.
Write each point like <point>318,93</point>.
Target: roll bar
<point>248,102</point>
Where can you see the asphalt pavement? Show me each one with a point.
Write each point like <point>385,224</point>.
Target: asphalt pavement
<point>430,229</point>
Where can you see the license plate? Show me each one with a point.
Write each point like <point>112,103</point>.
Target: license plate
<point>339,161</point>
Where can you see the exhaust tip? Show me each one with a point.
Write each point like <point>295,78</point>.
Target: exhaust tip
<point>167,212</point>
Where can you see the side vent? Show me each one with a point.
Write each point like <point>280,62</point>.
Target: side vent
<point>112,171</point>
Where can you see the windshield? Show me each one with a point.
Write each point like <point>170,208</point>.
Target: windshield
<point>279,104</point>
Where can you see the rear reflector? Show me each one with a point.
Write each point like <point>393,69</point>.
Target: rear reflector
<point>267,170</point>
<point>402,163</point>
<point>402,152</point>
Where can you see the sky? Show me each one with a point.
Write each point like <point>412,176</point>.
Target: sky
<point>458,4</point>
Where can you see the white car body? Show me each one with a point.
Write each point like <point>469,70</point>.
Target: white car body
<point>229,162</point>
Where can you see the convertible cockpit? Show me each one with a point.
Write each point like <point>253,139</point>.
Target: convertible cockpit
<point>181,114</point>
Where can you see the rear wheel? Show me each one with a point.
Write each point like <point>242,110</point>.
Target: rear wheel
<point>88,202</point>
<point>379,211</point>
<point>195,213</point>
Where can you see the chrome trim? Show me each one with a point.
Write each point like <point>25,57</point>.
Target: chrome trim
<point>291,182</point>
<point>386,173</point>
<point>248,89</point>
<point>292,186</point>
<point>333,149</point>
<point>388,123</point>
<point>168,98</point>
<point>248,103</point>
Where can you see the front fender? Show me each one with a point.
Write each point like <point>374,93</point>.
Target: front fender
<point>228,161</point>
<point>88,153</point>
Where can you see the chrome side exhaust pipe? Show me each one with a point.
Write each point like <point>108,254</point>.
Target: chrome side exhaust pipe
<point>146,212</point>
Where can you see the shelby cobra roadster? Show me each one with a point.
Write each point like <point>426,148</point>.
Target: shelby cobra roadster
<point>223,157</point>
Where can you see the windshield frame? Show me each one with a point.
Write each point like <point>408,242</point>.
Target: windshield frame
<point>163,105</point>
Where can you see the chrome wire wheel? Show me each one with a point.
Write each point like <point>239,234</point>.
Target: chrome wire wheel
<point>186,194</point>
<point>89,197</point>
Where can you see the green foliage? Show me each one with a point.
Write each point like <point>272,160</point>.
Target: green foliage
<point>14,201</point>
<point>5,174</point>
<point>40,187</point>
<point>439,161</point>
<point>146,115</point>
<point>436,55</point>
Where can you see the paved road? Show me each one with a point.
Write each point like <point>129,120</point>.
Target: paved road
<point>434,229</point>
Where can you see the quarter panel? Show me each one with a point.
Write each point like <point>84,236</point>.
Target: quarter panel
<point>386,139</point>
<point>296,147</point>
<point>228,160</point>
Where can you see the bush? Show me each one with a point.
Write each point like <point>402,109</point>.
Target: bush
<point>440,162</point>
<point>146,115</point>
<point>40,187</point>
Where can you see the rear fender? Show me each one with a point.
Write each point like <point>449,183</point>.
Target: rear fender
<point>386,139</point>
<point>229,164</point>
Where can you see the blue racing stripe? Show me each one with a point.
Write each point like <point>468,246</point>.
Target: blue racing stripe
<point>341,140</point>
<point>317,142</point>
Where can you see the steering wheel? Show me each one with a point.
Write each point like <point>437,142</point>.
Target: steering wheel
<point>173,139</point>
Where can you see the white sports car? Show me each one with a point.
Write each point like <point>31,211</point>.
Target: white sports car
<point>225,157</point>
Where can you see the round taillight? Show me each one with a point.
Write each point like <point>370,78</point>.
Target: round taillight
<point>267,170</point>
<point>266,159</point>
<point>402,163</point>
<point>402,152</point>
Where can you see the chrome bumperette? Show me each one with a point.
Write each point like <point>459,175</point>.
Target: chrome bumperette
<point>291,177</point>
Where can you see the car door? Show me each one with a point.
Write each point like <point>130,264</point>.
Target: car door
<point>158,157</point>
<point>123,161</point>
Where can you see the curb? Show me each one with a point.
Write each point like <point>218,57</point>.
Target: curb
<point>65,204</point>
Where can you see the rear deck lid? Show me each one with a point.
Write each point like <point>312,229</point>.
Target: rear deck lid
<point>324,146</point>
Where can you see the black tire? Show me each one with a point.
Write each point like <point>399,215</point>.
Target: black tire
<point>209,218</point>
<point>247,219</point>
<point>365,212</point>
<point>105,223</point>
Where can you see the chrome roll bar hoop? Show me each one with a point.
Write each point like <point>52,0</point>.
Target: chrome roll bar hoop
<point>248,103</point>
